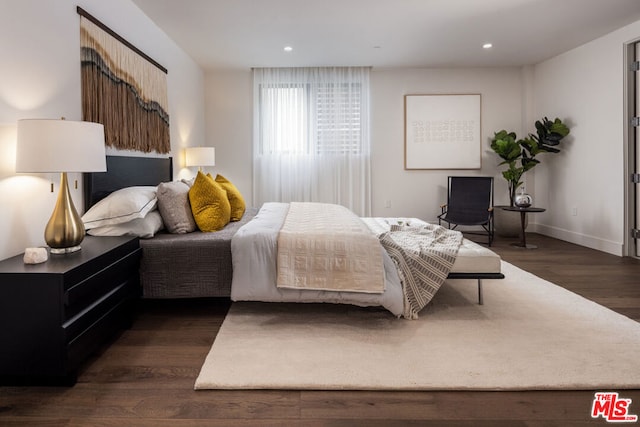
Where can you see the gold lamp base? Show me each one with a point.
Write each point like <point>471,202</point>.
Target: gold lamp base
<point>62,251</point>
<point>65,229</point>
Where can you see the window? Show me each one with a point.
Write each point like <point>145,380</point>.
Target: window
<point>337,116</point>
<point>284,120</point>
<point>311,136</point>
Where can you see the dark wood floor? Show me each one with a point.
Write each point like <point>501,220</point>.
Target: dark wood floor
<point>146,377</point>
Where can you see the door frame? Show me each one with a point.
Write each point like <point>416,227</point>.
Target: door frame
<point>630,146</point>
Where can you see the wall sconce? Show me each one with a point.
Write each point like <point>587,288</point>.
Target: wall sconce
<point>200,156</point>
<point>61,146</point>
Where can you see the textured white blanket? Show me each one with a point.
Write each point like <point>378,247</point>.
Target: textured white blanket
<point>327,247</point>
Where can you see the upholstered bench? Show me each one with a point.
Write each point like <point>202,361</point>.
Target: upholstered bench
<point>475,261</point>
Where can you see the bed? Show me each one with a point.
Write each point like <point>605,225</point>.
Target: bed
<point>190,265</point>
<point>201,264</point>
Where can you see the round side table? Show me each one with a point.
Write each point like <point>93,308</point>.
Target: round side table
<point>523,213</point>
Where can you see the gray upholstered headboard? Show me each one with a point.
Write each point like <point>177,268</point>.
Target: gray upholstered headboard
<point>125,171</point>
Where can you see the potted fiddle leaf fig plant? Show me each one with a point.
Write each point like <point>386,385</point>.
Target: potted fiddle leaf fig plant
<point>520,154</point>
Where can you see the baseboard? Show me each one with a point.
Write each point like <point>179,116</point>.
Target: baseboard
<point>597,243</point>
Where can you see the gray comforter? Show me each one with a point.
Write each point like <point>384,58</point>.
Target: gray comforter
<point>192,265</point>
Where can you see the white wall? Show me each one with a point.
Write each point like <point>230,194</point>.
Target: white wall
<point>419,193</point>
<point>40,78</point>
<point>229,112</point>
<point>416,193</point>
<point>585,87</point>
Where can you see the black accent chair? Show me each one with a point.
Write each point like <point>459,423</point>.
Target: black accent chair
<point>469,203</point>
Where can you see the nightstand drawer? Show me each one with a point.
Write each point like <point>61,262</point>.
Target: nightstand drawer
<point>93,313</point>
<point>84,293</point>
<point>114,320</point>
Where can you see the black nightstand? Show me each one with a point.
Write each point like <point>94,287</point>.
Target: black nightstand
<point>55,314</point>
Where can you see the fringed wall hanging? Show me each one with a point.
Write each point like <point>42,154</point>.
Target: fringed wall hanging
<point>123,89</point>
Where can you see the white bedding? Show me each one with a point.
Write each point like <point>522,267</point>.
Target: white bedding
<point>254,251</point>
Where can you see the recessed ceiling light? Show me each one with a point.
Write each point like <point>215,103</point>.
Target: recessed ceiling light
<point>288,48</point>
<point>487,46</point>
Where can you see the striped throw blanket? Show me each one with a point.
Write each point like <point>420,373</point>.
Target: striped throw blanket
<point>424,255</point>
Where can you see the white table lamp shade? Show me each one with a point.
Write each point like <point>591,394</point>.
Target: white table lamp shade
<point>200,156</point>
<point>60,146</point>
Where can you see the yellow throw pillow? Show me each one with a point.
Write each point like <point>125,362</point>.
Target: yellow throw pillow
<point>209,203</point>
<point>236,200</point>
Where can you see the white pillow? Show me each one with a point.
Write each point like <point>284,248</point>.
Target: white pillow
<point>142,227</point>
<point>121,206</point>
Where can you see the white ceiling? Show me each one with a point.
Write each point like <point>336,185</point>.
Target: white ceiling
<point>384,33</point>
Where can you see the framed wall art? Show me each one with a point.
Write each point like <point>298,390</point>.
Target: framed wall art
<point>442,132</point>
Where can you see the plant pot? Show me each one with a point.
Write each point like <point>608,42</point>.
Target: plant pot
<point>507,223</point>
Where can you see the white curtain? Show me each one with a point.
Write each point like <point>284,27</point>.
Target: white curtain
<point>311,136</point>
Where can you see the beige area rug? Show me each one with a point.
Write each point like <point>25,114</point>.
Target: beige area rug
<point>530,334</point>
